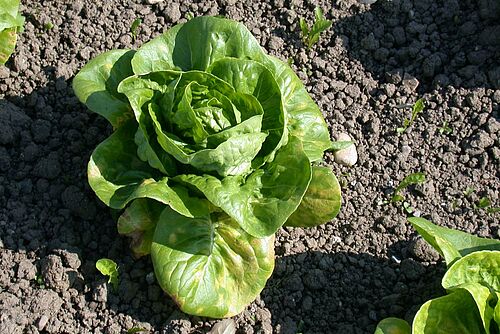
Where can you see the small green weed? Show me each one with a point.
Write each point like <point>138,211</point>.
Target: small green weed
<point>134,27</point>
<point>109,268</point>
<point>414,178</point>
<point>445,128</point>
<point>418,107</point>
<point>310,35</point>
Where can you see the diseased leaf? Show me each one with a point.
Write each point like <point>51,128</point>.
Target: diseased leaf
<point>455,313</point>
<point>321,203</point>
<point>451,244</point>
<point>8,40</point>
<point>96,85</point>
<point>263,201</point>
<point>393,326</point>
<point>208,264</point>
<point>138,222</point>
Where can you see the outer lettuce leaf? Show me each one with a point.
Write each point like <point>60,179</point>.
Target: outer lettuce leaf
<point>479,267</point>
<point>117,175</point>
<point>8,38</point>
<point>305,120</point>
<point>455,313</point>
<point>263,201</point>
<point>393,326</point>
<point>496,314</point>
<point>321,202</point>
<point>483,299</point>
<point>138,222</point>
<point>96,85</point>
<point>195,45</point>
<point>208,264</point>
<point>451,244</point>
<point>9,7</point>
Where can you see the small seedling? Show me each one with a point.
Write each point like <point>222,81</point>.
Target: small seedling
<point>39,280</point>
<point>134,330</point>
<point>408,208</point>
<point>469,191</point>
<point>48,26</point>
<point>485,203</point>
<point>109,268</point>
<point>415,178</point>
<point>133,28</point>
<point>189,16</point>
<point>445,128</point>
<point>418,107</point>
<point>310,36</point>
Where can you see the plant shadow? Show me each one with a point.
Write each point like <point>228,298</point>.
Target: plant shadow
<point>344,292</point>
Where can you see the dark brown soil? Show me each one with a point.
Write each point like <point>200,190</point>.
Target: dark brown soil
<point>342,277</point>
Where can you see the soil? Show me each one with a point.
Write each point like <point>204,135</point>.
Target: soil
<point>342,277</point>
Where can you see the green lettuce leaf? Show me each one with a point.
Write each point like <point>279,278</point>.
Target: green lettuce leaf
<point>8,38</point>
<point>262,202</point>
<point>479,267</point>
<point>195,45</point>
<point>305,120</point>
<point>455,313</point>
<point>208,264</point>
<point>138,222</point>
<point>483,299</point>
<point>117,176</point>
<point>321,203</point>
<point>451,244</point>
<point>96,85</point>
<point>393,326</point>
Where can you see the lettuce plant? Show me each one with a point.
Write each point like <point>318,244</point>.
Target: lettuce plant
<point>472,281</point>
<point>215,146</point>
<point>11,22</point>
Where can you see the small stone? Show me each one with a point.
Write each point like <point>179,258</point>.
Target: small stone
<point>26,270</point>
<point>100,293</point>
<point>4,72</point>
<point>275,43</point>
<point>348,156</point>
<point>422,251</point>
<point>42,322</point>
<point>173,12</point>
<point>53,273</point>
<point>390,89</point>
<point>410,82</point>
<point>153,2</point>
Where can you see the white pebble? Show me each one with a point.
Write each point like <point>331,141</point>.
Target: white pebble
<point>348,156</point>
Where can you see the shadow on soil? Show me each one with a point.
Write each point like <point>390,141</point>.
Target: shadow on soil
<point>442,43</point>
<point>358,290</point>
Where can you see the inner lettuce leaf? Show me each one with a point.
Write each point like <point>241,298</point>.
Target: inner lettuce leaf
<point>212,151</point>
